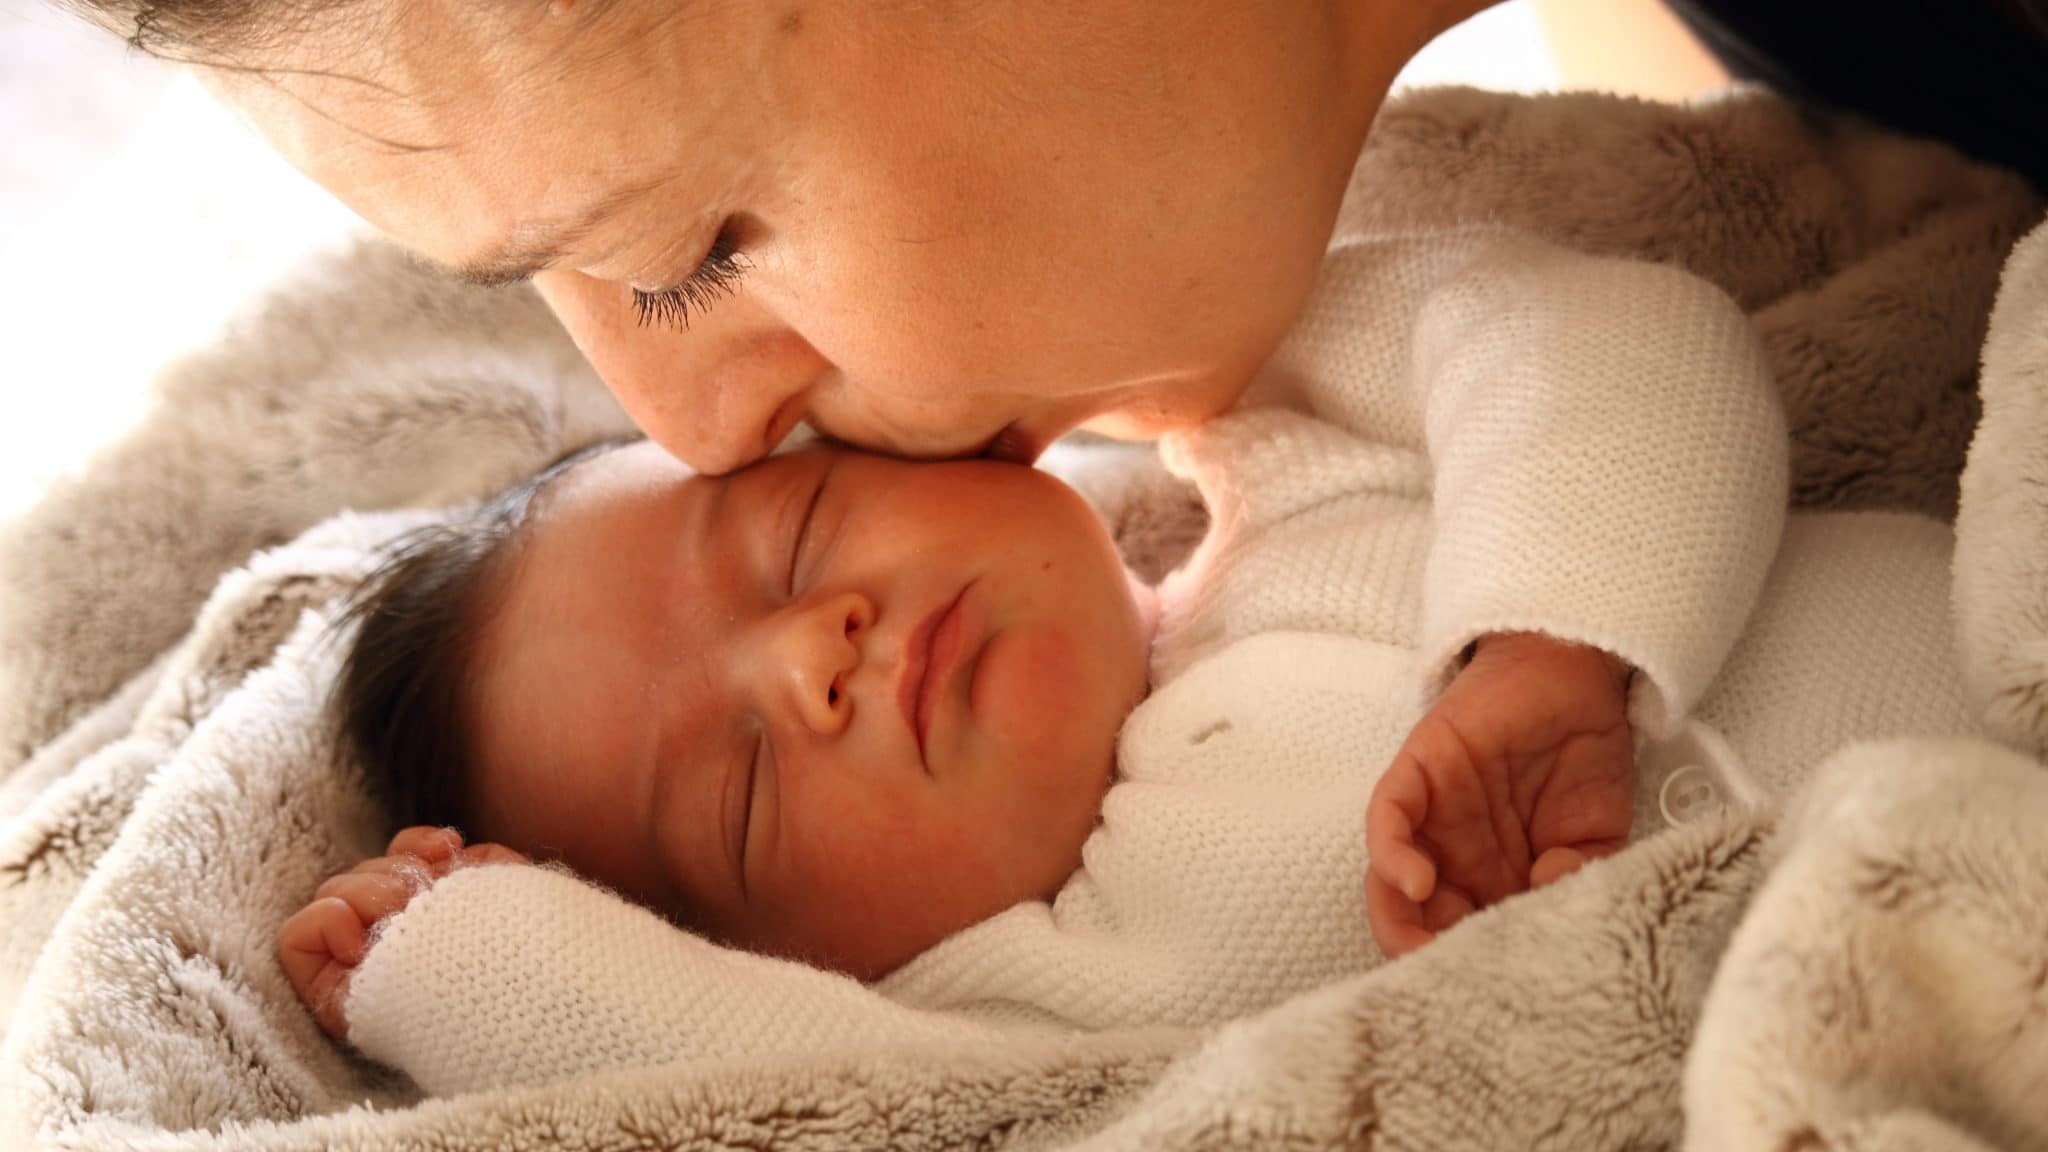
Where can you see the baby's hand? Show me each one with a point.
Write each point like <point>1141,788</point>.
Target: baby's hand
<point>321,944</point>
<point>1522,772</point>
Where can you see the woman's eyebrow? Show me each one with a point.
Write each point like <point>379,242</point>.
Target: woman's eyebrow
<point>510,263</point>
<point>538,246</point>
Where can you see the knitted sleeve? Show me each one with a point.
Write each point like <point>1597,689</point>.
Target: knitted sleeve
<point>512,975</point>
<point>1610,463</point>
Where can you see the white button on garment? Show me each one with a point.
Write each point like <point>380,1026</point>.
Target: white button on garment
<point>1701,776</point>
<point>1690,795</point>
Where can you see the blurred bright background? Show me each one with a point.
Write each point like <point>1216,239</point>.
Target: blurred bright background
<point>135,214</point>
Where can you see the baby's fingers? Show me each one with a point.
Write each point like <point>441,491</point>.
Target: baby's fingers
<point>427,842</point>
<point>1445,908</point>
<point>489,854</point>
<point>1399,805</point>
<point>1396,921</point>
<point>318,947</point>
<point>417,871</point>
<point>371,896</point>
<point>1557,863</point>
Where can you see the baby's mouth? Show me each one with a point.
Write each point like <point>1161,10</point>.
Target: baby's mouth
<point>929,654</point>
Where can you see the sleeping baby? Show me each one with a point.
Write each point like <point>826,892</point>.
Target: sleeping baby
<point>852,746</point>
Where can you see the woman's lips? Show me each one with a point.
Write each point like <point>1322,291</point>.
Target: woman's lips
<point>929,656</point>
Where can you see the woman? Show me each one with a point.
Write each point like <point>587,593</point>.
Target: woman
<point>928,228</point>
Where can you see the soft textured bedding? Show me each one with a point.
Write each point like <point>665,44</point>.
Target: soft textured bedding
<point>1858,972</point>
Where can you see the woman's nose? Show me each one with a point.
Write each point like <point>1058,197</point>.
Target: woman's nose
<point>720,394</point>
<point>740,407</point>
<point>813,653</point>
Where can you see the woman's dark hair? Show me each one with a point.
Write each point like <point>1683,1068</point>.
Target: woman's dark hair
<point>205,31</point>
<point>239,35</point>
<point>402,698</point>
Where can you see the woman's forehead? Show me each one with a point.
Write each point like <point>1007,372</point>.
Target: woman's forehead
<point>473,131</point>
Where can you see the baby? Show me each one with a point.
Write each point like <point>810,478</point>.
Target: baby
<point>892,719</point>
<point>834,707</point>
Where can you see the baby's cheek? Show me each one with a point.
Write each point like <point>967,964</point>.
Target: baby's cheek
<point>1034,699</point>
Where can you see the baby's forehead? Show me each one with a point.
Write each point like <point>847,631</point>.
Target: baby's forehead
<point>608,497</point>
<point>591,489</point>
<point>615,472</point>
<point>618,472</point>
<point>643,470</point>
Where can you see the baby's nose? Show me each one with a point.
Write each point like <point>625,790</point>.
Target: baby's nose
<point>823,650</point>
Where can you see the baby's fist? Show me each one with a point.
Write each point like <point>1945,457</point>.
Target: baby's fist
<point>1523,771</point>
<point>321,944</point>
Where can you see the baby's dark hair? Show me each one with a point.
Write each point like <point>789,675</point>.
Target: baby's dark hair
<point>402,699</point>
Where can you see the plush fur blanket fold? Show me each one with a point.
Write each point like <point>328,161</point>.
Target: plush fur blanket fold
<point>1861,971</point>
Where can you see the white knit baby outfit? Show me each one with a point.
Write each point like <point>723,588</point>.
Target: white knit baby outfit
<point>1467,433</point>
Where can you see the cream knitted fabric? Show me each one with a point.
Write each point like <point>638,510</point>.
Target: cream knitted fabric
<point>504,976</point>
<point>1852,640</point>
<point>1596,446</point>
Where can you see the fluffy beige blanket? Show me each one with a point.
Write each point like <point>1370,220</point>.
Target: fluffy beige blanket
<point>1865,975</point>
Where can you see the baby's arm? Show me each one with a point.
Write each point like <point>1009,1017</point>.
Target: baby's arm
<point>496,977</point>
<point>321,944</point>
<point>1611,464</point>
<point>1610,474</point>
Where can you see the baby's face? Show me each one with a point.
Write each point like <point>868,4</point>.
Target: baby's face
<point>834,707</point>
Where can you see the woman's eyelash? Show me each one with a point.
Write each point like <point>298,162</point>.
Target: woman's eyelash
<point>717,277</point>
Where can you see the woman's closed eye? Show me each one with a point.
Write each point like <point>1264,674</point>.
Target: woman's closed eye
<point>716,277</point>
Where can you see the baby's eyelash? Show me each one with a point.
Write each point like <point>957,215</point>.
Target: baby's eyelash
<point>718,276</point>
<point>747,814</point>
<point>803,532</point>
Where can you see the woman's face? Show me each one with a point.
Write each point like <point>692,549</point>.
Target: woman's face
<point>932,229</point>
<point>835,706</point>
